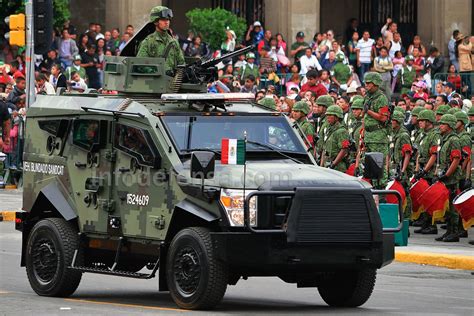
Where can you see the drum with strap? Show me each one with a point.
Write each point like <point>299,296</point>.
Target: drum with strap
<point>464,204</point>
<point>416,190</point>
<point>435,200</point>
<point>392,198</point>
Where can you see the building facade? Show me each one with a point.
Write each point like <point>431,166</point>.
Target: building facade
<point>433,20</point>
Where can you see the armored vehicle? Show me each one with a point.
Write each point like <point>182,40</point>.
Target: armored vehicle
<point>142,184</point>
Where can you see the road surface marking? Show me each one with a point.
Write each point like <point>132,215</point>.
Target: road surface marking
<point>126,305</point>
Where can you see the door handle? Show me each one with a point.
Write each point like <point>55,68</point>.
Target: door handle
<point>124,169</point>
<point>79,164</point>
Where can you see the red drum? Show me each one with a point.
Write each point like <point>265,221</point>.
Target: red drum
<point>464,204</point>
<point>435,200</point>
<point>416,190</point>
<point>392,198</point>
<point>351,170</point>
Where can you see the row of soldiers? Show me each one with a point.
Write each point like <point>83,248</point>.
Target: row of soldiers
<point>438,148</point>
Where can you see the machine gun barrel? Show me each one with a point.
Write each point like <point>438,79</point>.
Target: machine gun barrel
<point>214,61</point>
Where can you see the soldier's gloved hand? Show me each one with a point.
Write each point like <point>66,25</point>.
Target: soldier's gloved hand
<point>441,176</point>
<point>331,166</point>
<point>366,107</point>
<point>398,176</point>
<point>420,174</point>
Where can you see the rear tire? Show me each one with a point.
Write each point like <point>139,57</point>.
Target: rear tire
<point>196,278</point>
<point>49,253</point>
<point>349,289</point>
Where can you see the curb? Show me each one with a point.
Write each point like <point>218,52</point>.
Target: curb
<point>436,259</point>
<point>7,216</point>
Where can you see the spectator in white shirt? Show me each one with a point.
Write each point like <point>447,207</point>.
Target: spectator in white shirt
<point>364,53</point>
<point>308,61</point>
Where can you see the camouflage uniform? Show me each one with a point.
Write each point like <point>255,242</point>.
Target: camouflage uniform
<point>342,72</point>
<point>303,122</point>
<point>465,142</point>
<point>322,125</point>
<point>376,132</point>
<point>450,149</point>
<point>335,140</point>
<point>155,45</point>
<point>401,146</point>
<point>246,70</point>
<point>355,128</point>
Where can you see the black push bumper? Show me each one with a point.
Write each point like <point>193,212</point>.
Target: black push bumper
<point>325,229</point>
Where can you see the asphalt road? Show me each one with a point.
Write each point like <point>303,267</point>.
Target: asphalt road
<point>401,289</point>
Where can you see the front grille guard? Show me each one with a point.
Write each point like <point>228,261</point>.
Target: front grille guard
<point>292,193</point>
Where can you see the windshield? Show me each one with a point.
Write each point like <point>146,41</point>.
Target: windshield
<point>206,132</point>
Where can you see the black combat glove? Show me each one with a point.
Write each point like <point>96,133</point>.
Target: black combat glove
<point>352,145</point>
<point>441,176</point>
<point>465,184</point>
<point>366,107</point>
<point>398,176</point>
<point>331,166</point>
<point>420,174</point>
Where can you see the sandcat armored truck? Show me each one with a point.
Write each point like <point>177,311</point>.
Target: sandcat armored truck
<point>201,190</point>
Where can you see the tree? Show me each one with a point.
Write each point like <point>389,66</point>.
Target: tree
<point>61,11</point>
<point>211,24</point>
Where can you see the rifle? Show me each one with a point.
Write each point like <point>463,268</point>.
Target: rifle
<point>359,148</point>
<point>203,71</point>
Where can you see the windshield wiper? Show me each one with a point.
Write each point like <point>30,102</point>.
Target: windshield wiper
<point>189,150</point>
<point>274,149</point>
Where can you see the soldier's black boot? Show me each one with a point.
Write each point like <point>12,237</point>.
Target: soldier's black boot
<point>440,238</point>
<point>471,242</point>
<point>462,233</point>
<point>453,237</point>
<point>430,230</point>
<point>444,226</point>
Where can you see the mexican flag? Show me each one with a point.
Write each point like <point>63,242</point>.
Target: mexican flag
<point>233,151</point>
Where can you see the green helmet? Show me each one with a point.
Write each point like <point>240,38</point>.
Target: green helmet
<point>409,57</point>
<point>250,55</point>
<point>358,104</point>
<point>325,100</point>
<point>373,77</point>
<point>398,116</point>
<point>471,111</point>
<point>461,116</point>
<point>355,97</point>
<point>416,111</point>
<point>427,115</point>
<point>449,120</point>
<point>339,57</point>
<point>301,106</point>
<point>399,109</point>
<point>453,110</point>
<point>160,12</point>
<point>442,109</point>
<point>268,103</point>
<point>335,110</point>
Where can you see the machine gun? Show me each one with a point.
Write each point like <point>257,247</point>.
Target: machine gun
<point>204,71</point>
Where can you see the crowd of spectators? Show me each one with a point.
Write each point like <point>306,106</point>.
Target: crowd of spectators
<point>325,64</point>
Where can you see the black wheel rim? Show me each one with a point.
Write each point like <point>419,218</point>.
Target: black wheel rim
<point>187,271</point>
<point>45,259</point>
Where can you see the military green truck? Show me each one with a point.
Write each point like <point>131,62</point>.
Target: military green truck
<point>135,185</point>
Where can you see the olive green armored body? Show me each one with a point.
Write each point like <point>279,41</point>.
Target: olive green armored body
<point>134,185</point>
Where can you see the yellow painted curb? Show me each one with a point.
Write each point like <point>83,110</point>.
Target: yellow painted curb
<point>8,215</point>
<point>436,259</point>
<point>10,187</point>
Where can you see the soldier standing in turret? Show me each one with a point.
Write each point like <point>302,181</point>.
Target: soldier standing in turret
<point>336,141</point>
<point>376,109</point>
<point>161,43</point>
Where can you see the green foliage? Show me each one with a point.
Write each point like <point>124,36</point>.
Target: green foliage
<point>211,24</point>
<point>61,11</point>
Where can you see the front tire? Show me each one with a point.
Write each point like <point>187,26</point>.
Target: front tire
<point>196,278</point>
<point>50,250</point>
<point>349,289</point>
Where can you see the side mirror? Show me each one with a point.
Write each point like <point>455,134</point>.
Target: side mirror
<point>374,164</point>
<point>203,165</point>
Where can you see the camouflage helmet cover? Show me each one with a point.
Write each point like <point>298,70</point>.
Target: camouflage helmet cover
<point>399,109</point>
<point>358,104</point>
<point>302,107</point>
<point>398,116</point>
<point>461,116</point>
<point>160,12</point>
<point>268,103</point>
<point>427,115</point>
<point>355,97</point>
<point>449,120</point>
<point>373,77</point>
<point>442,109</point>
<point>335,110</point>
<point>325,100</point>
<point>416,111</point>
<point>453,110</point>
<point>471,111</point>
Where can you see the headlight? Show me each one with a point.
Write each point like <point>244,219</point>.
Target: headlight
<point>233,202</point>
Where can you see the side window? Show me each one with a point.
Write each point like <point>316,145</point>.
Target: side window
<point>55,127</point>
<point>86,133</point>
<point>137,143</point>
